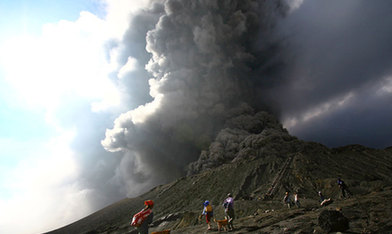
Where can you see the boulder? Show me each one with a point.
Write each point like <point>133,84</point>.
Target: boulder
<point>333,221</point>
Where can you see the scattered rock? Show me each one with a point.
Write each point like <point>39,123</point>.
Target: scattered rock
<point>167,218</point>
<point>333,221</point>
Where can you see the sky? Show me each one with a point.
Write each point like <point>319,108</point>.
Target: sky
<point>103,99</point>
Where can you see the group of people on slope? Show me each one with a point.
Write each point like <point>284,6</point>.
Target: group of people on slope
<point>345,192</point>
<point>290,201</point>
<point>144,218</point>
<point>228,205</point>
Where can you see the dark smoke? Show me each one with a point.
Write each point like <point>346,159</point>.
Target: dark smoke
<point>339,71</point>
<point>210,61</point>
<point>323,68</point>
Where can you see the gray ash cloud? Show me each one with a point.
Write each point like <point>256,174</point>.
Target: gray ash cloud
<point>209,62</point>
<point>338,74</point>
<point>324,69</point>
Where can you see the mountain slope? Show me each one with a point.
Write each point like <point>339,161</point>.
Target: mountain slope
<point>257,163</point>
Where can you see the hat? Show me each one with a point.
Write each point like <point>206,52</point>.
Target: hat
<point>206,203</point>
<point>149,203</point>
<point>229,195</point>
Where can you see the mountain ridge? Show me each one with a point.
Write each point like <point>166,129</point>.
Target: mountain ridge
<point>258,163</point>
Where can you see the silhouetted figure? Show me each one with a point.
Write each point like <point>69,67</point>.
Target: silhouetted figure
<point>324,201</point>
<point>287,199</point>
<point>343,188</point>
<point>296,200</point>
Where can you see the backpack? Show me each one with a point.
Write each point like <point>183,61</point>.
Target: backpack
<point>138,218</point>
<point>208,208</point>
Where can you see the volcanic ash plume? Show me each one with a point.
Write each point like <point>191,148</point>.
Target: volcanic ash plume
<point>209,60</point>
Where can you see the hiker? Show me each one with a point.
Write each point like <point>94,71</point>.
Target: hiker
<point>287,199</point>
<point>321,196</point>
<point>323,200</point>
<point>296,200</point>
<point>343,188</point>
<point>228,204</point>
<point>208,212</point>
<point>144,218</point>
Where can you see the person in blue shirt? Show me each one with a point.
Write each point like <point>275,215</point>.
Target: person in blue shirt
<point>208,212</point>
<point>343,188</point>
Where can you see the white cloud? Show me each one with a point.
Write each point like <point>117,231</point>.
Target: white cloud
<point>43,187</point>
<point>325,108</point>
<point>295,4</point>
<point>130,66</point>
<point>65,64</point>
<point>119,13</point>
<point>66,60</point>
<point>385,86</point>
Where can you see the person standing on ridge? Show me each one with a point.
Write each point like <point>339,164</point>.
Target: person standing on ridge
<point>343,188</point>
<point>228,204</point>
<point>296,200</point>
<point>287,199</point>
<point>321,196</point>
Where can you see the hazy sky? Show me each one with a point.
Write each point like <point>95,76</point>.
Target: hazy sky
<point>55,95</point>
<point>102,99</point>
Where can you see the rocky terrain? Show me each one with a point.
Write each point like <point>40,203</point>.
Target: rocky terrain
<point>258,162</point>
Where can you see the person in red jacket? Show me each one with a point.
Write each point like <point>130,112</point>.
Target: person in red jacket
<point>147,216</point>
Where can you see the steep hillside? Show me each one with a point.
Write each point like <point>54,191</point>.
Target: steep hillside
<point>258,163</point>
<point>314,168</point>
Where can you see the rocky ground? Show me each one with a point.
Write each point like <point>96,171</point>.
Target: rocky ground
<point>178,206</point>
<point>258,163</point>
<point>366,214</point>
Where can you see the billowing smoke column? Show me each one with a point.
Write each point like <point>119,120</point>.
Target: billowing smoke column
<point>209,60</point>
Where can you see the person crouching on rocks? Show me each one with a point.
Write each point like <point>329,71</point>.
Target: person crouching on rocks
<point>208,212</point>
<point>324,201</point>
<point>228,204</point>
